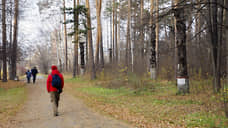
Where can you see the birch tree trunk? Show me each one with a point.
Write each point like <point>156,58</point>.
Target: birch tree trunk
<point>91,70</point>
<point>65,36</point>
<point>152,43</point>
<point>180,40</point>
<point>157,35</point>
<point>4,43</point>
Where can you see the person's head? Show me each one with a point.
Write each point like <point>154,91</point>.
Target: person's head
<point>27,70</point>
<point>35,67</point>
<point>53,67</point>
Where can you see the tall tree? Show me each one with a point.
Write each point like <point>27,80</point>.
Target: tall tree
<point>76,39</point>
<point>10,41</point>
<point>213,30</point>
<point>152,42</point>
<point>65,35</point>
<point>111,37</point>
<point>101,50</point>
<point>141,45</point>
<point>91,70</point>
<point>14,48</point>
<point>226,42</point>
<point>157,33</point>
<point>4,43</point>
<point>116,45</point>
<point>113,29</point>
<point>180,40</point>
<point>98,13</point>
<point>128,34</point>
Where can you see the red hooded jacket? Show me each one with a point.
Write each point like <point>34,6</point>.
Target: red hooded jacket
<point>49,79</point>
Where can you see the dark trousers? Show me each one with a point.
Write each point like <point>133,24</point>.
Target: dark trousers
<point>28,79</point>
<point>34,78</point>
<point>55,101</point>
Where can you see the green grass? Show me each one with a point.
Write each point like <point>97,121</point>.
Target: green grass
<point>11,100</point>
<point>206,120</point>
<point>155,101</point>
<point>105,92</point>
<point>75,80</point>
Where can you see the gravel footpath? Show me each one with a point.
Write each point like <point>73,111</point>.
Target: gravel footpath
<point>37,112</point>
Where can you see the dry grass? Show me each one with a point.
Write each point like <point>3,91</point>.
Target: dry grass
<point>11,84</point>
<point>12,97</point>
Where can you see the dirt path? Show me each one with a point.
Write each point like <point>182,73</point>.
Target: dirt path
<point>37,112</point>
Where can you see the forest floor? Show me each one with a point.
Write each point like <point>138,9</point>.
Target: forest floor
<point>102,103</point>
<point>37,112</point>
<point>146,103</point>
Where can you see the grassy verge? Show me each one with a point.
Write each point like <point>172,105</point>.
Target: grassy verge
<point>12,96</point>
<point>147,103</point>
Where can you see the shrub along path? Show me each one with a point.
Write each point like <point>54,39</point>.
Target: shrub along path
<point>37,113</point>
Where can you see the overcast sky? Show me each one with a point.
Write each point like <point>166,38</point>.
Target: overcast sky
<point>36,26</point>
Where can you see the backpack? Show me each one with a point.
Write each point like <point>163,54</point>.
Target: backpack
<point>56,82</point>
<point>29,74</point>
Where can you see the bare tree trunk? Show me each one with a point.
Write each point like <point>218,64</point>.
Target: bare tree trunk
<point>226,41</point>
<point>90,44</point>
<point>65,36</point>
<point>15,31</point>
<point>198,34</point>
<point>216,47</point>
<point>76,42</point>
<point>128,34</point>
<point>116,45</point>
<point>152,42</point>
<point>98,13</point>
<point>0,68</point>
<point>113,30</point>
<point>213,29</point>
<point>141,45</point>
<point>10,42</point>
<point>87,50</point>
<point>110,49</point>
<point>101,50</point>
<point>157,35</point>
<point>82,51</point>
<point>118,42</point>
<point>180,39</point>
<point>4,56</point>
<point>220,42</point>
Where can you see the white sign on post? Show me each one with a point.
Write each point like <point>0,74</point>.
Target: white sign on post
<point>181,81</point>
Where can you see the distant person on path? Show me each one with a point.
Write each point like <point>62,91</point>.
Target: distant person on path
<point>55,83</point>
<point>28,75</point>
<point>34,72</point>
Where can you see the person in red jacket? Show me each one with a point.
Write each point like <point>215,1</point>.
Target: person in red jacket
<point>54,92</point>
